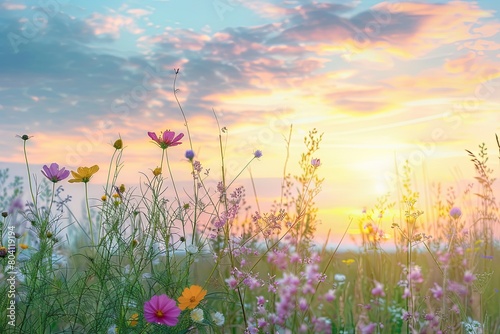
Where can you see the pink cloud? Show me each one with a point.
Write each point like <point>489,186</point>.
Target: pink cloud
<point>465,63</point>
<point>112,25</point>
<point>266,9</point>
<point>138,12</point>
<point>13,6</point>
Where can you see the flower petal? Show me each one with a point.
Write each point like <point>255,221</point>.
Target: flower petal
<point>153,136</point>
<point>46,172</point>
<point>94,169</point>
<point>54,168</point>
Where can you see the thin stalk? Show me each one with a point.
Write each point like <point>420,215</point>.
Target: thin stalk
<point>88,214</point>
<point>29,174</point>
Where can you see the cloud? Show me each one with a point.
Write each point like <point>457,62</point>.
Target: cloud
<point>12,6</point>
<point>296,63</point>
<point>139,12</point>
<point>112,25</point>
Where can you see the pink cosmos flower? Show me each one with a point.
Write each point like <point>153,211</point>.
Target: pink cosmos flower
<point>166,139</point>
<point>162,310</point>
<point>54,174</point>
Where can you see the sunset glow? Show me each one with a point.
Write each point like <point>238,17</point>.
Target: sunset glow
<point>385,82</point>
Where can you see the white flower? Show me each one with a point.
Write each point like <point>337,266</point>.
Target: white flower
<point>192,249</point>
<point>339,278</point>
<point>126,269</point>
<point>218,318</point>
<point>112,330</point>
<point>197,315</point>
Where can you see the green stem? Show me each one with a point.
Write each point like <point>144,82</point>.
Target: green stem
<point>51,200</point>
<point>88,213</point>
<point>172,178</point>
<point>109,173</point>
<point>29,174</point>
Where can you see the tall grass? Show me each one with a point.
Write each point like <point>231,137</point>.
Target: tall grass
<point>263,271</point>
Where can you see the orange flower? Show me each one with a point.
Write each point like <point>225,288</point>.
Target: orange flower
<point>23,246</point>
<point>191,297</point>
<point>133,320</point>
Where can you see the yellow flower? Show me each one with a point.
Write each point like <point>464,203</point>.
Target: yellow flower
<point>348,261</point>
<point>104,198</point>
<point>157,171</point>
<point>118,144</point>
<point>116,195</point>
<point>133,320</point>
<point>191,297</point>
<point>122,188</point>
<point>23,246</point>
<point>83,174</point>
<point>3,250</point>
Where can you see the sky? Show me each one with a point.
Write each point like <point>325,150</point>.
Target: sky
<point>384,82</point>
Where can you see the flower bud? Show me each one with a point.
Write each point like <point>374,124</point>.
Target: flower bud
<point>118,144</point>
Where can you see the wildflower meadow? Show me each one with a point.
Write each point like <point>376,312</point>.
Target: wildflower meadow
<point>159,258</point>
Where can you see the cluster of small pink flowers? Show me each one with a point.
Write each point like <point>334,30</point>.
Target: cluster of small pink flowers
<point>437,291</point>
<point>289,286</point>
<point>469,277</point>
<point>220,188</point>
<point>322,325</point>
<point>269,223</point>
<point>251,280</point>
<point>236,198</point>
<point>415,275</point>
<point>197,168</point>
<point>278,258</point>
<point>378,290</point>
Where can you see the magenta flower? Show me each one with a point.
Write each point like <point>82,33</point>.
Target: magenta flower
<point>162,310</point>
<point>166,139</point>
<point>54,174</point>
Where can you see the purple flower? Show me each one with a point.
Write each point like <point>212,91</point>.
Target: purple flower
<point>257,154</point>
<point>455,212</point>
<point>316,162</point>
<point>54,174</point>
<point>437,291</point>
<point>469,277</point>
<point>16,205</point>
<point>162,310</point>
<point>189,154</point>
